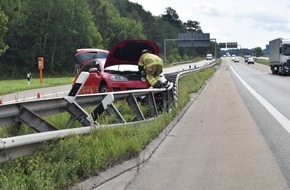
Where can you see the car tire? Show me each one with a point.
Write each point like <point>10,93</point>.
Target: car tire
<point>103,88</point>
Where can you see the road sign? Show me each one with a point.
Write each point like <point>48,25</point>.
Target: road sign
<point>267,49</point>
<point>201,36</point>
<point>184,43</point>
<point>184,40</point>
<point>222,45</point>
<point>232,44</point>
<point>184,36</point>
<point>193,39</point>
<point>201,43</point>
<point>40,63</point>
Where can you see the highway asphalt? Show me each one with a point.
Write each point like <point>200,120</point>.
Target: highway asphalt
<point>33,94</point>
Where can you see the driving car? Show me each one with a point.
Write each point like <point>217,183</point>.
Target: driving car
<point>236,59</point>
<point>247,57</point>
<point>233,57</point>
<point>209,57</point>
<point>251,60</point>
<point>119,71</point>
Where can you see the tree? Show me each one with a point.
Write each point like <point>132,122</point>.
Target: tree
<point>51,29</point>
<point>3,30</point>
<point>192,26</point>
<point>112,26</point>
<point>172,17</point>
<point>14,10</point>
<point>154,28</point>
<point>257,51</point>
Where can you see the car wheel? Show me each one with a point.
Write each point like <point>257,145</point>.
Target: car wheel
<point>103,88</point>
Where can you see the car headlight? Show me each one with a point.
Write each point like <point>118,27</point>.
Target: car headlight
<point>118,78</point>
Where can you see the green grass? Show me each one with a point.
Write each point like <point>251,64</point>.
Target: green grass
<point>61,163</point>
<point>263,61</point>
<point>9,86</point>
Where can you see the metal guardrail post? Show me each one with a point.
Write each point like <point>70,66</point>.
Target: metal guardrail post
<point>34,120</point>
<point>107,105</point>
<point>165,101</point>
<point>131,100</point>
<point>171,97</point>
<point>112,110</point>
<point>152,104</point>
<point>101,107</point>
<point>77,113</point>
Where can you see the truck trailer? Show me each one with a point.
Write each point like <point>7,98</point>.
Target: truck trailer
<point>279,56</point>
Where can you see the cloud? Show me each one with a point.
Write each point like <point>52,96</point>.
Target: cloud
<point>206,8</point>
<point>264,21</point>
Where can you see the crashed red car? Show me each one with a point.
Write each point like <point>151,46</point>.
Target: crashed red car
<point>119,71</point>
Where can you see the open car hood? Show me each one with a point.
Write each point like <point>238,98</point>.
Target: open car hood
<point>129,51</point>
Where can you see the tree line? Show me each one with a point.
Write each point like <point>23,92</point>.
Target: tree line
<point>55,29</point>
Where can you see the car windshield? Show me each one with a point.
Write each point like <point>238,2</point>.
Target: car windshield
<point>99,63</point>
<point>81,57</point>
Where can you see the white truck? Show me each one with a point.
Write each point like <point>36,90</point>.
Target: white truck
<point>279,56</point>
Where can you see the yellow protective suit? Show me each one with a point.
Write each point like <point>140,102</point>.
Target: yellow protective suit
<point>153,66</point>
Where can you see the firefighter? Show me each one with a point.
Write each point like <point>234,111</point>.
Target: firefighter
<point>152,65</point>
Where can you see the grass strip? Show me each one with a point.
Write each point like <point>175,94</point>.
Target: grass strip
<point>263,61</point>
<point>9,86</point>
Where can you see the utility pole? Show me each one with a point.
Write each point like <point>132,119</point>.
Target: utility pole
<point>166,40</point>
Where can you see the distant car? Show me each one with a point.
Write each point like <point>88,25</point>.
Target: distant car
<point>233,58</point>
<point>246,57</point>
<point>119,71</point>
<point>236,59</point>
<point>209,57</point>
<point>251,60</point>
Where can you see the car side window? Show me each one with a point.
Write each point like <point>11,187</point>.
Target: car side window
<point>102,55</point>
<point>92,64</point>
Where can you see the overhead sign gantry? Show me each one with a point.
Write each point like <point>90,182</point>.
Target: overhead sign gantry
<point>228,45</point>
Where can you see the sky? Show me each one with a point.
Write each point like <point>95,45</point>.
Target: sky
<point>250,23</point>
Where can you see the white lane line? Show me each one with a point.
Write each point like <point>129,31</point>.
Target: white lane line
<point>273,111</point>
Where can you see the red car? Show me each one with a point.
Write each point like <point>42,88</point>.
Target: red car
<point>119,71</point>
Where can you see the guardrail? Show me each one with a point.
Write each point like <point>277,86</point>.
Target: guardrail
<point>32,113</point>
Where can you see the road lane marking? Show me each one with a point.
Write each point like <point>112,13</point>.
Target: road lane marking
<point>271,109</point>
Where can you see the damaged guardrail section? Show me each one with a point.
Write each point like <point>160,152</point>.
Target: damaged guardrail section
<point>32,113</point>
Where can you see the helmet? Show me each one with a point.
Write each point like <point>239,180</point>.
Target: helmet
<point>145,51</point>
